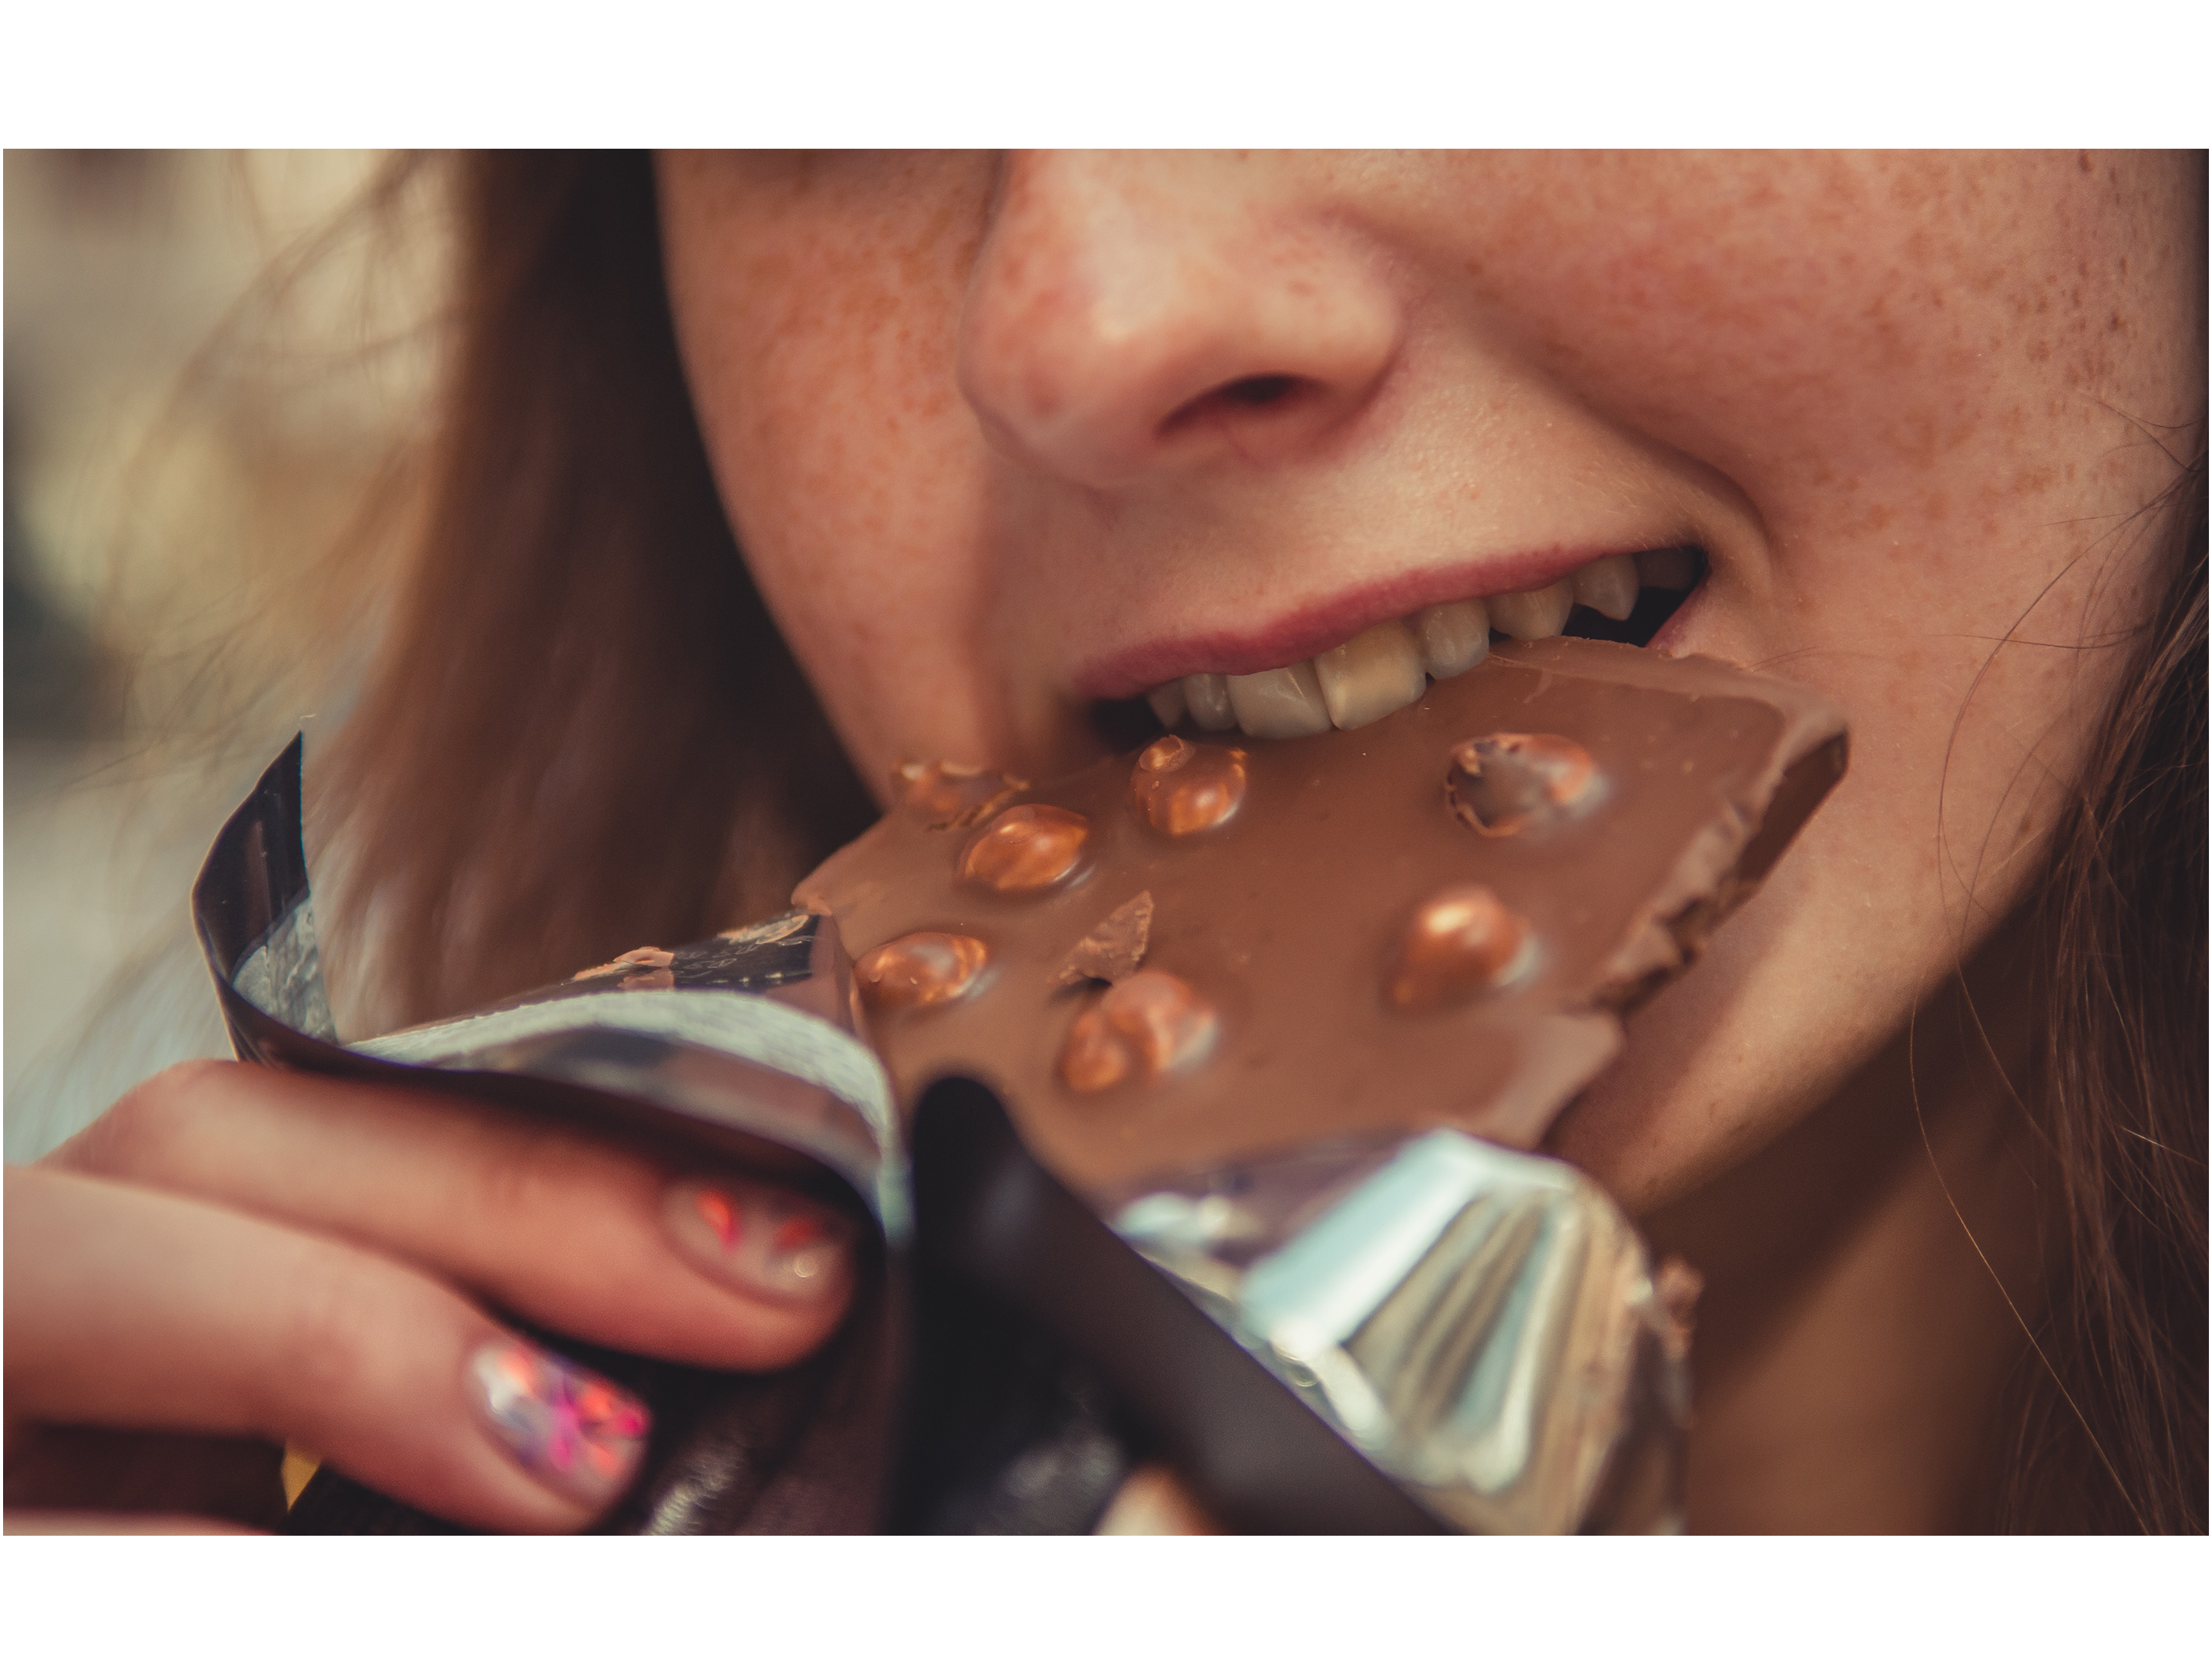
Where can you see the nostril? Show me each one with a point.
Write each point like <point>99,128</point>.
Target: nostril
<point>1269,391</point>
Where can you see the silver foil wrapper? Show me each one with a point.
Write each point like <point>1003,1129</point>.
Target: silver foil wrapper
<point>785,1060</point>
<point>1482,1324</point>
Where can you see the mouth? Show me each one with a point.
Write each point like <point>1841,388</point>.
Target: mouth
<point>1384,667</point>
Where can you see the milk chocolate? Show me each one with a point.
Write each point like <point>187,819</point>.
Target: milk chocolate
<point>1112,951</point>
<point>1436,921</point>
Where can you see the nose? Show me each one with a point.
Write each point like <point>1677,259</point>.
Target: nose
<point>1130,317</point>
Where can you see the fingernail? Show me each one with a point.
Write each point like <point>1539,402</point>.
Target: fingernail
<point>760,1239</point>
<point>571,1428</point>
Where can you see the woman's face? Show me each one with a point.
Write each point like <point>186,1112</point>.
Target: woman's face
<point>1002,437</point>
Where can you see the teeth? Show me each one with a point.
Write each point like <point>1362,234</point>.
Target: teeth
<point>1453,637</point>
<point>1607,585</point>
<point>1387,667</point>
<point>1672,568</point>
<point>1208,697</point>
<point>1279,702</point>
<point>1370,675</point>
<point>1537,616</point>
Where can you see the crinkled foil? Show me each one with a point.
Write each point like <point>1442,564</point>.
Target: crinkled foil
<point>753,1033</point>
<point>1481,1323</point>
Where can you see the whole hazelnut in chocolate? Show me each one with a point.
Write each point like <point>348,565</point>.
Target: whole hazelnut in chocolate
<point>1501,783</point>
<point>1150,1024</point>
<point>1460,943</point>
<point>951,795</point>
<point>1182,787</point>
<point>920,971</point>
<point>1025,849</point>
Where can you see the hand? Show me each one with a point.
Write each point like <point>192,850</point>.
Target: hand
<point>232,1258</point>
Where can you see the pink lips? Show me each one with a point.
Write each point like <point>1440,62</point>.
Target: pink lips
<point>1313,626</point>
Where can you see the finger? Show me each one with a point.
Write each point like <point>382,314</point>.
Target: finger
<point>1153,1503</point>
<point>85,1523</point>
<point>140,1310</point>
<point>570,1231</point>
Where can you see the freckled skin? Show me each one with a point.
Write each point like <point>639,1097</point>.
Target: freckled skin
<point>1814,365</point>
<point>965,415</point>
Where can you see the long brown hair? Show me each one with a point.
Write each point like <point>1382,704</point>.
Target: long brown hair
<point>585,734</point>
<point>2111,1435</point>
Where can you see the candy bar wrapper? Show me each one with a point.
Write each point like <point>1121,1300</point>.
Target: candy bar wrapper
<point>1400,1333</point>
<point>1394,1334</point>
<point>1481,1324</point>
<point>741,1050</point>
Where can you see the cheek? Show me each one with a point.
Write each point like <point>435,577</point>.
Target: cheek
<point>1936,430</point>
<point>817,318</point>
<point>1850,339</point>
<point>1923,373</point>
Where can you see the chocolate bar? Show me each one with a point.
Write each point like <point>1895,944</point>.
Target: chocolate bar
<point>1210,950</point>
<point>1273,1010</point>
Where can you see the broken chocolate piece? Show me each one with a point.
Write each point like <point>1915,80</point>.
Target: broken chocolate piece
<point>774,931</point>
<point>920,971</point>
<point>1459,944</point>
<point>1501,783</point>
<point>1183,787</point>
<point>649,956</point>
<point>1025,849</point>
<point>1286,916</point>
<point>1112,950</point>
<point>1150,1024</point>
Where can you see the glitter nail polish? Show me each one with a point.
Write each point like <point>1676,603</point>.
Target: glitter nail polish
<point>570,1428</point>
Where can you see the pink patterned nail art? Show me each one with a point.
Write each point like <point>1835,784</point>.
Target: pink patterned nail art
<point>571,1428</point>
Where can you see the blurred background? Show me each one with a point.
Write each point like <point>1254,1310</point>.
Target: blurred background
<point>217,372</point>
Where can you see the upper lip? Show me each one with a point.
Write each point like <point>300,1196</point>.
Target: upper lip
<point>1306,627</point>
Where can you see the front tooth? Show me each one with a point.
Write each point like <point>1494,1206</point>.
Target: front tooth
<point>1279,702</point>
<point>1207,696</point>
<point>1453,637</point>
<point>1608,586</point>
<point>1371,674</point>
<point>1167,702</point>
<point>1536,616</point>
<point>1671,567</point>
